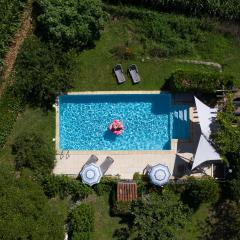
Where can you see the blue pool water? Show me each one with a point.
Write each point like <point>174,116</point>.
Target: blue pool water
<point>150,122</point>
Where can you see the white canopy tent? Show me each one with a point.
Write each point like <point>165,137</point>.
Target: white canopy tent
<point>206,116</point>
<point>205,151</point>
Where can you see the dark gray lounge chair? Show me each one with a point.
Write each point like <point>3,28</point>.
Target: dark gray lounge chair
<point>118,71</point>
<point>133,71</point>
<point>92,159</point>
<point>106,164</point>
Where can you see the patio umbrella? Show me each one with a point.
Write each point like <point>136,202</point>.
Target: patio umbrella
<point>91,174</point>
<point>159,174</point>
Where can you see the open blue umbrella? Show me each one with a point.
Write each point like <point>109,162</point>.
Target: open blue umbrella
<point>91,174</point>
<point>159,174</point>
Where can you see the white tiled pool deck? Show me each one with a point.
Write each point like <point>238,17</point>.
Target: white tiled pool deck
<point>126,163</point>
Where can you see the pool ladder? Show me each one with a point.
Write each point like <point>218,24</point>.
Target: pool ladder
<point>67,154</point>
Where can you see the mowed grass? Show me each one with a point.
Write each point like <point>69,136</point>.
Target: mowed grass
<point>105,225</point>
<point>93,70</point>
<point>192,230</point>
<point>31,120</point>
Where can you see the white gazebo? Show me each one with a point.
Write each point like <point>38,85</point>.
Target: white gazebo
<point>205,150</point>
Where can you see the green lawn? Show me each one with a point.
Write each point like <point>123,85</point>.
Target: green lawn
<point>94,67</point>
<point>105,225</point>
<point>192,230</point>
<point>31,120</point>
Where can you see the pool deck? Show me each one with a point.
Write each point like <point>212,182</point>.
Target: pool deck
<point>126,163</point>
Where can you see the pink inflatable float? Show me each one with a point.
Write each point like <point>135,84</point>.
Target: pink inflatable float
<point>116,127</point>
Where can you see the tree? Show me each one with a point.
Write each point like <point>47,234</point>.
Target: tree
<point>25,212</point>
<point>70,23</point>
<point>159,217</point>
<point>42,72</point>
<point>223,223</point>
<point>32,152</point>
<point>201,191</point>
<point>81,222</point>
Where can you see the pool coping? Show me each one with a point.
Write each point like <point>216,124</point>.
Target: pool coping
<point>174,142</point>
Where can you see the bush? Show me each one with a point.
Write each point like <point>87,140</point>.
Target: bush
<point>201,191</point>
<point>70,23</point>
<point>233,189</point>
<point>63,186</point>
<point>122,52</point>
<point>32,152</point>
<point>228,9</point>
<point>81,222</point>
<point>106,185</point>
<point>196,81</point>
<point>121,208</point>
<point>10,106</point>
<point>42,72</point>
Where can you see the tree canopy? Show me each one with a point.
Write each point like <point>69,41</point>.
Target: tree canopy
<point>159,216</point>
<point>25,212</point>
<point>72,23</point>
<point>32,152</point>
<point>43,71</point>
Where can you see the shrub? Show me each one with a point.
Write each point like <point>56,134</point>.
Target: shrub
<point>106,185</point>
<point>42,72</point>
<point>70,23</point>
<point>121,208</point>
<point>81,222</point>
<point>201,191</point>
<point>196,81</point>
<point>63,186</point>
<point>32,152</point>
<point>122,52</point>
<point>10,106</point>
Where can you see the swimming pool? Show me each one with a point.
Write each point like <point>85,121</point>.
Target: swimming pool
<point>150,121</point>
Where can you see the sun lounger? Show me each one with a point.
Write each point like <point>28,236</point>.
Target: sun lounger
<point>118,71</point>
<point>133,71</point>
<point>106,164</point>
<point>92,159</point>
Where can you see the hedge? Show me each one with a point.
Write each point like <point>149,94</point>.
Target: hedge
<point>10,106</point>
<point>196,81</point>
<point>63,186</point>
<point>81,222</point>
<point>227,9</point>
